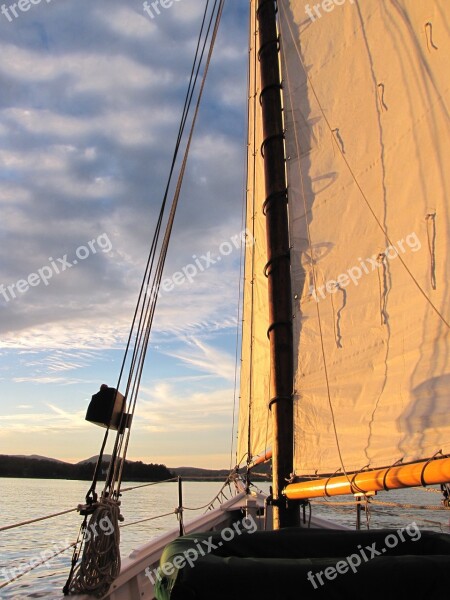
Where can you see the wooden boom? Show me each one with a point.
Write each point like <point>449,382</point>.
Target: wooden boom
<point>428,472</point>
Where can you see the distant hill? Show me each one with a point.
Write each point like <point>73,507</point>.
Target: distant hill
<point>37,457</point>
<point>193,473</point>
<point>47,468</point>
<point>41,467</point>
<point>94,459</point>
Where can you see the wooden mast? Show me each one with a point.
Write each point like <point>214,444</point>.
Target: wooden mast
<point>278,266</point>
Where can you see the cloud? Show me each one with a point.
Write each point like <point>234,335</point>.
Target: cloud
<point>54,420</point>
<point>169,411</point>
<point>92,94</point>
<point>200,356</point>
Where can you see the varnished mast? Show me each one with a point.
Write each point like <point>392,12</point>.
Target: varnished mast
<point>278,265</point>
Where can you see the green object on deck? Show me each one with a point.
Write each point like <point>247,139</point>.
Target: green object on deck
<point>295,563</point>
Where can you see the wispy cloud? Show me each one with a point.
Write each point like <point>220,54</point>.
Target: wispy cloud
<point>170,411</point>
<point>53,420</point>
<point>208,359</point>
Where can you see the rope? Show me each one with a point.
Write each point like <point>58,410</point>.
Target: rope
<point>100,563</point>
<point>251,205</point>
<point>42,562</point>
<point>173,512</point>
<point>382,503</point>
<point>152,286</point>
<point>141,350</point>
<point>405,505</point>
<point>210,504</point>
<point>240,309</point>
<point>137,487</point>
<point>64,512</point>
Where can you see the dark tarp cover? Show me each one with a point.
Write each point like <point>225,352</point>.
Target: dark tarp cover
<point>286,564</point>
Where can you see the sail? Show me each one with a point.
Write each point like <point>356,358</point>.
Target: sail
<point>367,100</point>
<point>255,425</point>
<point>366,106</point>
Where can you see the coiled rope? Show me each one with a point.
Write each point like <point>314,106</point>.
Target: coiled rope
<point>100,563</point>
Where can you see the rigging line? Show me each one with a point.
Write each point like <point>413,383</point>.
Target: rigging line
<point>149,264</point>
<point>35,566</point>
<point>187,103</point>
<point>240,319</point>
<point>137,487</point>
<point>148,519</point>
<point>149,305</point>
<point>216,497</point>
<point>358,185</point>
<point>313,270</point>
<point>253,16</point>
<point>169,225</point>
<point>406,505</point>
<point>155,285</point>
<point>115,471</point>
<point>239,324</point>
<point>58,514</point>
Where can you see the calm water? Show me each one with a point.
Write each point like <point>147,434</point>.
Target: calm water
<point>24,499</point>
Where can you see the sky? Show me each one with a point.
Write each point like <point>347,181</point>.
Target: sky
<point>91,95</point>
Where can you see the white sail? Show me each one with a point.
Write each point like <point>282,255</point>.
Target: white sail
<point>367,103</point>
<point>368,134</point>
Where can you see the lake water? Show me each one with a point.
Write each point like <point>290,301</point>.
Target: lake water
<point>24,499</point>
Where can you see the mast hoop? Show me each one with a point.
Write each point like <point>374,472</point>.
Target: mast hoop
<point>267,44</point>
<point>267,88</point>
<point>276,258</point>
<point>278,398</point>
<point>282,196</point>
<point>269,139</point>
<point>276,324</point>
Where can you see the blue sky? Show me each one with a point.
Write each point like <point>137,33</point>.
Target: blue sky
<point>90,100</point>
